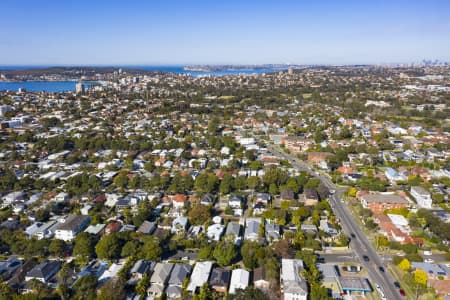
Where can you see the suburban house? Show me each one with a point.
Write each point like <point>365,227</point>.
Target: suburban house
<point>293,286</point>
<point>272,232</point>
<point>215,231</point>
<point>206,199</point>
<point>393,175</point>
<point>234,231</point>
<point>44,271</point>
<point>200,275</point>
<point>328,228</point>
<point>287,195</point>
<point>263,198</point>
<point>179,273</point>
<point>179,225</point>
<point>235,201</point>
<point>310,197</point>
<point>159,279</point>
<point>260,280</point>
<point>396,228</point>
<point>9,266</point>
<point>179,200</point>
<point>71,226</point>
<point>220,279</point>
<point>239,280</point>
<point>434,271</point>
<point>252,229</point>
<point>380,202</point>
<point>139,269</point>
<point>147,227</point>
<point>422,197</point>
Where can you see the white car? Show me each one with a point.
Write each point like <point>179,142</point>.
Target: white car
<point>429,260</point>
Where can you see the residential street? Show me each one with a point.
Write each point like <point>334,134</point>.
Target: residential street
<point>360,245</point>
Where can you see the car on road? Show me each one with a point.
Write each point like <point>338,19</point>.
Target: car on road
<point>429,260</point>
<point>396,284</point>
<point>353,235</point>
<point>366,258</point>
<point>402,293</point>
<point>332,192</point>
<point>381,269</point>
<point>427,253</point>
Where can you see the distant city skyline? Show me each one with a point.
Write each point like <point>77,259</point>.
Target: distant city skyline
<point>229,32</point>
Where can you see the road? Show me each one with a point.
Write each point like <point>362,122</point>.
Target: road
<point>359,244</point>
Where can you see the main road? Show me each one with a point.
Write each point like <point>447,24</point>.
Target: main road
<point>359,242</point>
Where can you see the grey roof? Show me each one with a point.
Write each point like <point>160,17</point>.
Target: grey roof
<point>329,272</point>
<point>161,273</point>
<point>420,190</point>
<point>287,195</point>
<point>354,284</point>
<point>179,273</point>
<point>174,291</point>
<point>207,198</point>
<point>45,270</point>
<point>263,196</point>
<point>311,194</point>
<point>147,227</point>
<point>220,277</point>
<point>384,198</point>
<point>432,269</point>
<point>142,267</point>
<point>233,228</point>
<point>252,228</point>
<point>74,222</point>
<point>272,231</point>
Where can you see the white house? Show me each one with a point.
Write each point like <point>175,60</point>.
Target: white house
<point>422,196</point>
<point>214,232</point>
<point>239,280</point>
<point>200,275</point>
<point>293,286</point>
<point>71,226</point>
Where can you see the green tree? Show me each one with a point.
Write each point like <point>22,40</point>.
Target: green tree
<point>201,183</point>
<point>226,184</point>
<point>142,286</point>
<point>85,288</point>
<point>57,247</point>
<point>113,289</point>
<point>109,247</point>
<point>131,248</point>
<point>121,180</point>
<point>248,253</point>
<point>84,246</point>
<point>250,293</point>
<point>151,250</point>
<point>253,182</point>
<point>199,215</point>
<point>224,253</point>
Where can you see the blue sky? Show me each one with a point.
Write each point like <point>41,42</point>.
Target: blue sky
<point>43,32</point>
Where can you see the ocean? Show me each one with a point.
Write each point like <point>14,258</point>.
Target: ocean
<point>64,86</point>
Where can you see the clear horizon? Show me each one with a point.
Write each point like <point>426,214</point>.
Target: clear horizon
<point>176,33</point>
